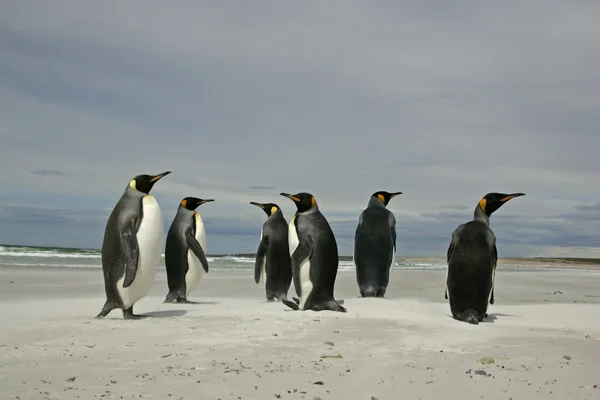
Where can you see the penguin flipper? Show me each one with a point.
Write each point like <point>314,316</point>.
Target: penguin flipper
<point>131,253</point>
<point>446,294</point>
<point>302,252</point>
<point>495,259</point>
<point>393,230</point>
<point>260,258</point>
<point>197,250</point>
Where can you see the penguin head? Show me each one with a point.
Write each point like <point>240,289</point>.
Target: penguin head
<point>493,201</point>
<point>304,201</point>
<point>385,197</point>
<point>191,203</point>
<point>268,208</point>
<point>144,183</point>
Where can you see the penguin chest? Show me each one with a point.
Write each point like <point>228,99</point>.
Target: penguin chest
<point>194,273</point>
<point>149,237</point>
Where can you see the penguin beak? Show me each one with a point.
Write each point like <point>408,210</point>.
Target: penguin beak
<point>205,201</point>
<point>392,195</point>
<point>511,196</point>
<point>257,204</point>
<point>289,196</point>
<point>157,177</point>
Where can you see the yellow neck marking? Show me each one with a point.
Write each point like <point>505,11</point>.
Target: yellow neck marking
<point>482,204</point>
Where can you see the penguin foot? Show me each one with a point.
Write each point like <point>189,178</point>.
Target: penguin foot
<point>128,314</point>
<point>270,299</point>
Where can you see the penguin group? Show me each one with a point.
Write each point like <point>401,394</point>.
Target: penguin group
<point>303,251</point>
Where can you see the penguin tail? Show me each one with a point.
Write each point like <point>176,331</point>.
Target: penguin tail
<point>290,304</point>
<point>371,292</point>
<point>281,296</point>
<point>469,316</point>
<point>335,306</point>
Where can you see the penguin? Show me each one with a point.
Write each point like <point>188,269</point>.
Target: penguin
<point>272,262</point>
<point>133,240</point>
<point>472,257</point>
<point>314,256</point>
<point>185,251</point>
<point>375,245</point>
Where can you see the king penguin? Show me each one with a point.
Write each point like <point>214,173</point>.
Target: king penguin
<point>314,256</point>
<point>185,251</point>
<point>272,262</point>
<point>133,240</point>
<point>472,257</point>
<point>375,245</point>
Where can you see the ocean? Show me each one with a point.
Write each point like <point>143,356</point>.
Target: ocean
<point>29,256</point>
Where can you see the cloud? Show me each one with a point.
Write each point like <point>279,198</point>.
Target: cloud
<point>48,172</point>
<point>258,187</point>
<point>444,104</point>
<point>585,207</point>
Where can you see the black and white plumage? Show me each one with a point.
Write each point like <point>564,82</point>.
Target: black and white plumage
<point>133,240</point>
<point>314,257</point>
<point>185,250</point>
<point>472,256</point>
<point>272,264</point>
<point>375,245</point>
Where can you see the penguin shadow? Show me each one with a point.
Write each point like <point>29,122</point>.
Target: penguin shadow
<point>488,319</point>
<point>194,303</point>
<point>165,314</point>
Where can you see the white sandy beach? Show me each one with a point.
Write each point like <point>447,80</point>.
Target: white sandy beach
<point>543,337</point>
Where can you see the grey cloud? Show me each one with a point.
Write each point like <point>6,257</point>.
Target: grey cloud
<point>48,172</point>
<point>455,207</point>
<point>444,105</point>
<point>258,187</point>
<point>595,207</point>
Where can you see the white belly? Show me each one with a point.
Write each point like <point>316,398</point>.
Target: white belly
<point>293,240</point>
<point>306,285</point>
<point>150,238</point>
<point>192,278</point>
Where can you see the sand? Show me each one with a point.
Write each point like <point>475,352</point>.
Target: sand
<point>542,340</point>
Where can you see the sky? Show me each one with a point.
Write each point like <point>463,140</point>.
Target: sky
<point>443,101</point>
